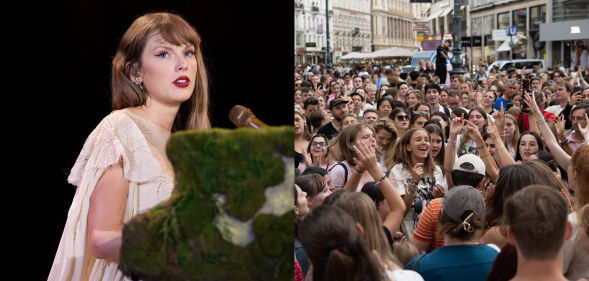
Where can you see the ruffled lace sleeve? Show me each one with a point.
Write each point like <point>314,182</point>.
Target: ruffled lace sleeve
<point>116,137</point>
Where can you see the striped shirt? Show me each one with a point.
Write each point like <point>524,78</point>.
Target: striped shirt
<point>428,228</point>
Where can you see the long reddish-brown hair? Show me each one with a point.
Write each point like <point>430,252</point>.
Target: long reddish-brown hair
<point>193,113</point>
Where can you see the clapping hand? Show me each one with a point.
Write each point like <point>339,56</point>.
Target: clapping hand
<point>584,131</point>
<point>308,159</point>
<point>365,156</point>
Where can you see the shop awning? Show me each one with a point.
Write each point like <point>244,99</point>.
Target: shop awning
<point>446,12</point>
<point>391,53</point>
<point>505,46</point>
<point>423,55</point>
<point>435,15</point>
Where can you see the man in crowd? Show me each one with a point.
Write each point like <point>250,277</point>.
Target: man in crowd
<point>432,95</point>
<point>453,99</point>
<point>441,58</point>
<point>298,84</point>
<point>558,75</point>
<point>337,76</point>
<point>387,75</point>
<point>397,72</point>
<point>562,94</point>
<point>424,78</point>
<point>370,116</point>
<point>414,75</point>
<point>455,81</point>
<point>465,87</point>
<point>338,108</point>
<point>510,87</point>
<point>579,120</point>
<point>481,74</point>
<point>357,81</point>
<point>469,170</point>
<point>538,227</point>
<point>307,92</point>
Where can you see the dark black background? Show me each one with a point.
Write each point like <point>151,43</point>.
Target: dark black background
<point>56,89</point>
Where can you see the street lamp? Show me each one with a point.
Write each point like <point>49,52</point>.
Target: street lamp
<point>457,49</point>
<point>327,52</point>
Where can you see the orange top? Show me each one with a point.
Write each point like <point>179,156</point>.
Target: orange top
<point>429,227</point>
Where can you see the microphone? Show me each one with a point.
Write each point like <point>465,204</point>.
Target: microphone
<point>243,117</point>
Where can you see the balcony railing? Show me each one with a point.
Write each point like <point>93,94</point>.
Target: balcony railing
<point>315,9</point>
<point>299,6</point>
<point>330,12</point>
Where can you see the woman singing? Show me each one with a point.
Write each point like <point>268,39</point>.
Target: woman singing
<point>159,86</point>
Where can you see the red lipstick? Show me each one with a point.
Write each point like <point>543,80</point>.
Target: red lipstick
<point>182,82</point>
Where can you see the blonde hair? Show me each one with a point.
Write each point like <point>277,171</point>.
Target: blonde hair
<point>584,219</point>
<point>193,113</point>
<point>404,251</point>
<point>361,208</point>
<point>389,126</point>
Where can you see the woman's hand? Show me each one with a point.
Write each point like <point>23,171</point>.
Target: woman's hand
<point>479,98</point>
<point>399,237</point>
<point>417,172</point>
<point>584,131</point>
<point>473,132</point>
<point>365,157</point>
<point>560,124</point>
<point>308,157</point>
<point>493,132</point>
<point>438,192</point>
<point>456,125</point>
<point>489,192</point>
<point>500,117</point>
<point>531,102</point>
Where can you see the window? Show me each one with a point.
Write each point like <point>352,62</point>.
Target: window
<point>502,20</point>
<point>519,19</point>
<point>537,16</point>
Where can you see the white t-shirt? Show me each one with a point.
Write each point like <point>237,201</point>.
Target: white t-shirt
<point>469,148</point>
<point>363,73</point>
<point>555,109</point>
<point>575,258</point>
<point>399,177</point>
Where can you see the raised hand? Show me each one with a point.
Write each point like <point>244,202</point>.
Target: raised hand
<point>493,132</point>
<point>456,125</point>
<point>584,131</point>
<point>417,172</point>
<point>472,131</point>
<point>560,122</point>
<point>479,99</point>
<point>531,102</point>
<point>365,156</point>
<point>308,157</point>
<point>576,99</point>
<point>500,117</point>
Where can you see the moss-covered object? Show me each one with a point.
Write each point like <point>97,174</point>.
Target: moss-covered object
<point>230,215</point>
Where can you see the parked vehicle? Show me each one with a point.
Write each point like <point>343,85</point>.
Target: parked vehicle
<point>530,65</point>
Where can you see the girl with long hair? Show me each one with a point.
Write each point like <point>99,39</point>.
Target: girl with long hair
<point>401,119</point>
<point>422,108</point>
<point>489,99</point>
<point>414,174</point>
<point>384,107</point>
<point>413,98</point>
<point>444,121</point>
<point>347,138</point>
<point>300,209</point>
<point>315,154</point>
<point>528,144</point>
<point>386,138</point>
<point>315,187</point>
<point>511,134</point>
<point>438,149</point>
<point>465,144</point>
<point>159,86</point>
<point>418,120</point>
<point>302,136</point>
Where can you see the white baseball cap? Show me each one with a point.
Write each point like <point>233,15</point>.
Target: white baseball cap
<point>476,164</point>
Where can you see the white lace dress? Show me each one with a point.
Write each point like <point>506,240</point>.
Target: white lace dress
<point>141,146</point>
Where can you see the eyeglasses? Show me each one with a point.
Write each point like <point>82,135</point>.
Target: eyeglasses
<point>322,144</point>
<point>311,101</point>
<point>402,117</point>
<point>298,85</point>
<point>420,112</point>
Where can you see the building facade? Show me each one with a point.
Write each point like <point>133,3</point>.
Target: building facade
<point>310,31</point>
<point>351,27</point>
<point>566,33</point>
<point>391,22</point>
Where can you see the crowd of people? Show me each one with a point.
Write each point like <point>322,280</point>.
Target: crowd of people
<point>398,177</point>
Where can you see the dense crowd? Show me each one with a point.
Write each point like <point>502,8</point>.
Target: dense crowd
<point>398,177</point>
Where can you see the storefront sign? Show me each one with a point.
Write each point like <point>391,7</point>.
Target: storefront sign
<point>465,41</point>
<point>338,49</point>
<point>430,45</point>
<point>564,30</point>
<point>444,4</point>
<point>311,45</point>
<point>575,29</point>
<point>499,35</point>
<point>447,36</point>
<point>420,26</point>
<point>420,38</point>
<point>301,51</point>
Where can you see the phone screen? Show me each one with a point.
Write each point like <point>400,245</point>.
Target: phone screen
<point>526,84</point>
<point>577,89</point>
<point>509,105</point>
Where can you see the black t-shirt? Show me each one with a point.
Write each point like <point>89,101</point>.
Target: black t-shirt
<point>328,130</point>
<point>439,58</point>
<point>432,71</point>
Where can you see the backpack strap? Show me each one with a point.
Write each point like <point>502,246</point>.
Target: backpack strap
<point>345,171</point>
<point>447,112</point>
<point>415,265</point>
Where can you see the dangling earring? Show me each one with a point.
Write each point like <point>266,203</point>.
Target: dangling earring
<point>133,71</point>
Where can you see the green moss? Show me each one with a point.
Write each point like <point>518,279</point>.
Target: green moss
<point>177,239</point>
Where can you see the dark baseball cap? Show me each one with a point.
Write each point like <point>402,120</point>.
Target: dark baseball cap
<point>462,198</point>
<point>336,102</point>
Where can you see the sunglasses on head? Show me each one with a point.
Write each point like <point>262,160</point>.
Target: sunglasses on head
<point>322,144</point>
<point>402,117</point>
<point>420,112</point>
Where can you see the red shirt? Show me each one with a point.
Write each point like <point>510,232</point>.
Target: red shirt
<point>547,114</point>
